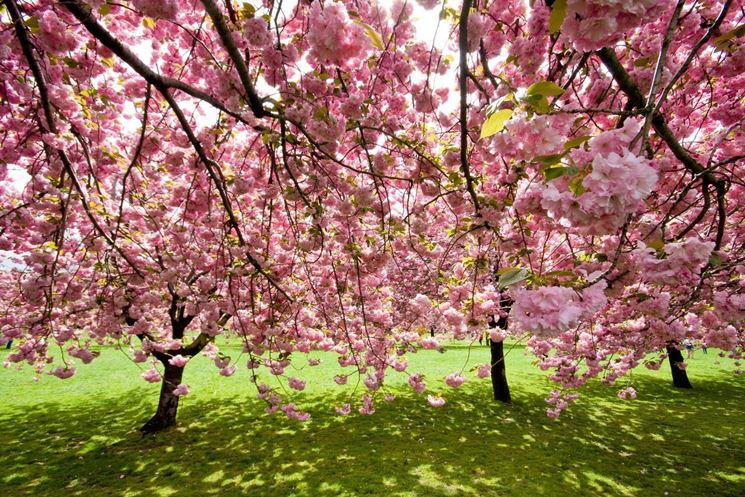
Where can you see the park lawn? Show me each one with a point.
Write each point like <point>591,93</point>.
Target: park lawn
<point>78,437</point>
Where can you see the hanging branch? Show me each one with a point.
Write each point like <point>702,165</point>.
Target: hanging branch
<point>82,13</point>
<point>51,127</point>
<point>463,83</point>
<point>227,40</point>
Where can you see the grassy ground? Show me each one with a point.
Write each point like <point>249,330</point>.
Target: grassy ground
<point>78,437</point>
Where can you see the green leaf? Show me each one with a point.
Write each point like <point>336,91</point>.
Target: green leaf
<point>32,23</point>
<point>104,9</point>
<point>545,88</point>
<point>537,103</point>
<point>645,61</point>
<point>248,11</point>
<point>321,113</point>
<point>656,244</point>
<point>495,123</point>
<point>576,142</point>
<point>70,62</point>
<point>513,275</point>
<point>576,186</point>
<point>722,42</point>
<point>554,172</point>
<point>560,274</point>
<point>374,36</point>
<point>549,160</point>
<point>558,13</point>
<point>715,259</point>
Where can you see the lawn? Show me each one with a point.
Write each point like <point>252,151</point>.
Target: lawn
<point>78,437</point>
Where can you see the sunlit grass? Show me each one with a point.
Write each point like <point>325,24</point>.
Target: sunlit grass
<point>78,437</point>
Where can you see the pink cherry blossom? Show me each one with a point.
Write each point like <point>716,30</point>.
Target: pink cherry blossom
<point>296,383</point>
<point>181,390</point>
<point>151,375</point>
<point>454,380</point>
<point>178,360</point>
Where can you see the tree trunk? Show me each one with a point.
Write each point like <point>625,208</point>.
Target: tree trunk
<point>680,377</point>
<point>499,372</point>
<point>165,416</point>
<point>498,368</point>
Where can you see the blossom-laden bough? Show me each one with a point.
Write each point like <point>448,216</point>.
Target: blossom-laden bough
<point>318,176</point>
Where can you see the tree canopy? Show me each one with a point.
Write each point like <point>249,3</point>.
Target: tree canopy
<point>320,175</point>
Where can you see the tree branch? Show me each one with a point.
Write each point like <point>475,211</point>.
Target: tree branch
<point>463,83</point>
<point>82,13</point>
<point>227,40</point>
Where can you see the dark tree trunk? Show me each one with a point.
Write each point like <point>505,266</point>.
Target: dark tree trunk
<point>499,372</point>
<point>680,377</point>
<point>165,416</point>
<point>498,368</point>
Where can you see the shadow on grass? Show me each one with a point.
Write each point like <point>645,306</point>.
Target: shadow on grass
<point>684,443</point>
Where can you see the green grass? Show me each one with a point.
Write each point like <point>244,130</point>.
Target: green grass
<point>78,437</point>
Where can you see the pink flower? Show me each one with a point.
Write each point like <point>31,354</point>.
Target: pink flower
<point>367,405</point>
<point>314,362</point>
<point>627,393</point>
<point>435,400</point>
<point>416,381</point>
<point>296,383</point>
<point>372,382</point>
<point>229,371</point>
<point>181,390</point>
<point>165,9</point>
<point>151,375</point>
<point>222,362</point>
<point>291,412</point>
<point>430,343</point>
<point>484,371</point>
<point>340,379</point>
<point>343,410</point>
<point>257,33</point>
<point>333,37</point>
<point>422,304</point>
<point>428,4</point>
<point>454,380</point>
<point>178,360</point>
<point>62,372</point>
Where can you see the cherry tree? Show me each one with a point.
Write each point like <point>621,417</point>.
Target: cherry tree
<point>315,176</point>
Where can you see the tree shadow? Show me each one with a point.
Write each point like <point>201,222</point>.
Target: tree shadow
<point>684,443</point>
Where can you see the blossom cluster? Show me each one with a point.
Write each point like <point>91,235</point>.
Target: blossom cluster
<point>594,24</point>
<point>613,189</point>
<point>550,310</point>
<point>334,38</point>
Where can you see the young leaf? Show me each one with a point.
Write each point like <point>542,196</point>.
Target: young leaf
<point>374,36</point>
<point>495,123</point>
<point>576,142</point>
<point>556,171</point>
<point>558,13</point>
<point>723,41</point>
<point>512,276</point>
<point>546,89</point>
